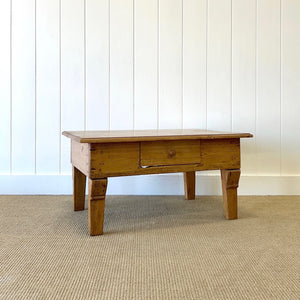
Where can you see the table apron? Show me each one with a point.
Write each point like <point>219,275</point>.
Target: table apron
<point>98,160</point>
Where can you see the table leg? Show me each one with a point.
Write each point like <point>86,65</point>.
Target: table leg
<point>189,185</point>
<point>230,183</point>
<point>79,183</point>
<point>97,191</point>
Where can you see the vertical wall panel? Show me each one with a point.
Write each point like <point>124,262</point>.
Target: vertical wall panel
<point>219,65</point>
<point>121,64</point>
<point>170,64</point>
<point>47,87</point>
<point>290,87</point>
<point>146,68</point>
<point>97,65</point>
<point>23,85</point>
<point>194,63</point>
<point>268,87</point>
<point>72,73</point>
<point>243,77</point>
<point>5,86</point>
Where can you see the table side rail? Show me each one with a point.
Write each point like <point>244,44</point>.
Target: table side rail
<point>123,159</point>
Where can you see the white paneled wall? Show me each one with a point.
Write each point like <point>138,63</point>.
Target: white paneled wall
<point>146,64</point>
<point>268,87</point>
<point>170,98</point>
<point>244,77</point>
<point>23,93</point>
<point>72,73</point>
<point>47,87</point>
<point>5,87</point>
<point>194,63</point>
<point>138,64</point>
<point>290,88</point>
<point>97,64</point>
<point>219,106</point>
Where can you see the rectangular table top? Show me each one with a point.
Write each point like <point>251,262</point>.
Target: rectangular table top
<point>114,136</point>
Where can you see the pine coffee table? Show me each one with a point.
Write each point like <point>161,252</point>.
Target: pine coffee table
<point>102,154</point>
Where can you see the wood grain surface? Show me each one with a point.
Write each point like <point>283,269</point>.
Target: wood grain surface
<point>114,136</point>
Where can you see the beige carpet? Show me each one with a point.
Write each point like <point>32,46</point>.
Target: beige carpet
<point>153,248</point>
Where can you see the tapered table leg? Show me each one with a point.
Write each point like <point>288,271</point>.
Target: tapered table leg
<point>97,192</point>
<point>230,183</point>
<point>79,183</point>
<point>189,185</point>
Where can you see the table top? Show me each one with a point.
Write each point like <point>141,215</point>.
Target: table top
<point>114,136</point>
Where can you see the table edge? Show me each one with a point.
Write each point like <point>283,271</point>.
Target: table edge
<point>155,138</point>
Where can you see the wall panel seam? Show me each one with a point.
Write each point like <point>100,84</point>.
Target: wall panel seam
<point>109,61</point>
<point>11,87</point>
<point>158,60</point>
<point>35,87</point>
<point>60,85</point>
<point>133,63</point>
<point>280,104</point>
<point>231,61</point>
<point>256,73</point>
<point>84,64</point>
<point>206,65</point>
<point>182,63</point>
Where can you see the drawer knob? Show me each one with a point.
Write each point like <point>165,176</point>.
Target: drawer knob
<point>172,153</point>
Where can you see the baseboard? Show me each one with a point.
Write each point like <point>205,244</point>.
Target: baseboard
<point>167,184</point>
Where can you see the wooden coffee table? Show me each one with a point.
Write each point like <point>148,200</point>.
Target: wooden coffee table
<point>102,154</point>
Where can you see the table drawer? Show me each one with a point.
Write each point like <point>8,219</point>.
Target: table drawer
<point>166,153</point>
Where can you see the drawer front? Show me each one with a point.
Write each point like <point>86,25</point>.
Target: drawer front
<point>166,153</point>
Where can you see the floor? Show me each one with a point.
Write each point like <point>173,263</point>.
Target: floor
<point>153,247</point>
